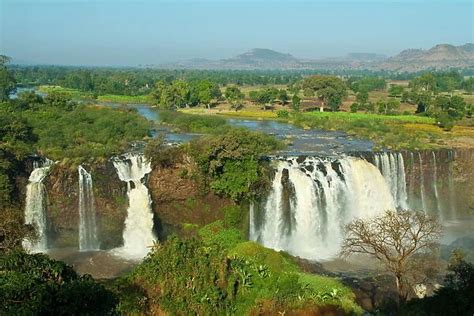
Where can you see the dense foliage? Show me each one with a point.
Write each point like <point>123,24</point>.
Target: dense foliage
<point>366,83</point>
<point>193,123</point>
<point>37,285</point>
<point>329,89</point>
<point>230,161</point>
<point>7,80</point>
<point>60,128</point>
<point>224,275</point>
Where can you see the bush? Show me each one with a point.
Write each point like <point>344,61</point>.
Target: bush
<point>354,107</point>
<point>193,123</point>
<point>445,121</point>
<point>216,234</point>
<point>188,277</point>
<point>37,285</point>
<point>283,114</point>
<point>230,161</point>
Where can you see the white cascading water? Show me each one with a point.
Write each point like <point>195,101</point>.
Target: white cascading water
<point>325,195</point>
<point>422,183</point>
<point>87,214</point>
<point>36,207</point>
<point>138,233</point>
<point>435,183</point>
<point>392,167</point>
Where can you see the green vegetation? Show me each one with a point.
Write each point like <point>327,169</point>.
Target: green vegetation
<point>230,161</point>
<point>7,80</point>
<point>37,285</point>
<point>68,92</point>
<point>180,93</point>
<point>225,275</point>
<point>330,90</point>
<point>192,123</point>
<point>268,96</point>
<point>392,132</point>
<point>66,130</point>
<point>361,84</point>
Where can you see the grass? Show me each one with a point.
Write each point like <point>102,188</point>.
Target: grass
<point>77,94</point>
<point>255,114</point>
<point>413,119</point>
<point>137,99</point>
<point>398,132</point>
<point>193,123</point>
<point>73,93</point>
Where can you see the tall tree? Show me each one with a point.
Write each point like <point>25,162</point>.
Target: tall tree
<point>7,80</point>
<point>393,238</point>
<point>329,89</point>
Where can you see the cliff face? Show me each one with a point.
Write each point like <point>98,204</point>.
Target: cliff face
<point>180,202</point>
<point>63,214</point>
<point>446,178</point>
<point>179,205</point>
<point>443,179</point>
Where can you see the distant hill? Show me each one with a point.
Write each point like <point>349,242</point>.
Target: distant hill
<point>442,56</point>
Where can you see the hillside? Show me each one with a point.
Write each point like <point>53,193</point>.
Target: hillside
<point>442,56</point>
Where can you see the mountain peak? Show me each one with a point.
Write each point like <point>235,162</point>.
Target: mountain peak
<point>264,54</point>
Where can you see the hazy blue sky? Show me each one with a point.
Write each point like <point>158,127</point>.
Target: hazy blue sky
<point>119,32</point>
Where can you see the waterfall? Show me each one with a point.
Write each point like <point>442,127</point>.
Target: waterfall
<point>435,183</point>
<point>138,233</point>
<point>36,206</point>
<point>392,167</point>
<point>422,183</point>
<point>87,214</point>
<point>310,202</point>
<point>412,180</point>
<point>452,196</point>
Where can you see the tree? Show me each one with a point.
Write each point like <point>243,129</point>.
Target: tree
<point>329,89</point>
<point>234,96</point>
<point>362,97</point>
<point>448,110</point>
<point>37,285</point>
<point>395,90</point>
<point>7,80</point>
<point>283,96</point>
<point>393,238</point>
<point>388,106</point>
<point>296,102</point>
<point>60,100</point>
<point>208,91</point>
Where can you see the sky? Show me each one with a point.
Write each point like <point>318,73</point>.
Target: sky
<point>139,32</point>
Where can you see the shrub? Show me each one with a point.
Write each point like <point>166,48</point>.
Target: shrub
<point>230,161</point>
<point>215,234</point>
<point>187,277</point>
<point>37,285</point>
<point>283,114</point>
<point>445,121</point>
<point>354,107</point>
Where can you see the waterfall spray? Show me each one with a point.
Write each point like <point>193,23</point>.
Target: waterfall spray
<point>36,206</point>
<point>392,167</point>
<point>422,183</point>
<point>138,233</point>
<point>87,213</point>
<point>327,195</point>
<point>435,184</point>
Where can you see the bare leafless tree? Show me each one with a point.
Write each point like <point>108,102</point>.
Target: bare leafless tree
<point>393,238</point>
